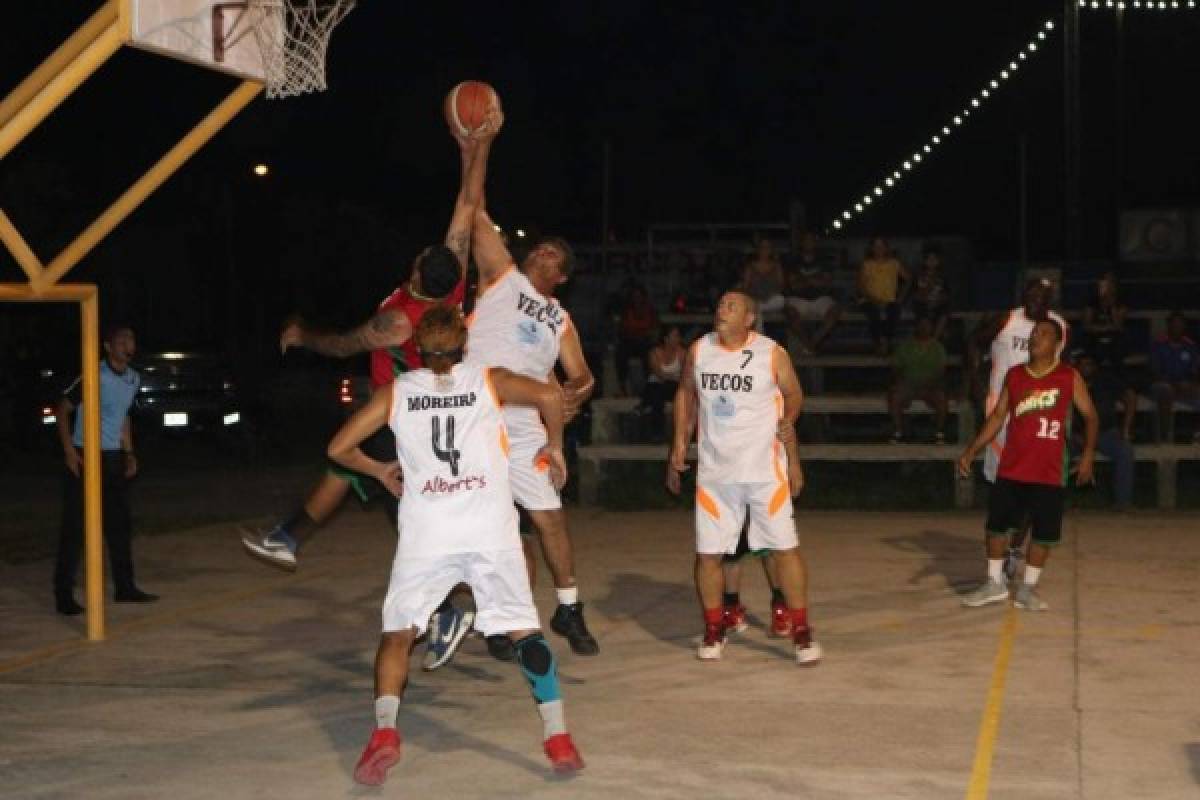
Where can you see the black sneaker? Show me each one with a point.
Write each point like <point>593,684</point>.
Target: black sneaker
<point>568,621</point>
<point>500,647</point>
<point>67,606</point>
<point>134,596</point>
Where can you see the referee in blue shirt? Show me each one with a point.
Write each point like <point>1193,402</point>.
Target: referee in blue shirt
<point>119,384</point>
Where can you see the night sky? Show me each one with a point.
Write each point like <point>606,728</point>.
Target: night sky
<point>714,112</point>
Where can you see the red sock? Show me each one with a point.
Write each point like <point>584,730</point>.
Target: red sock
<point>799,618</point>
<point>714,616</point>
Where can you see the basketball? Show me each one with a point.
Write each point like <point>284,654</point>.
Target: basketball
<point>467,106</point>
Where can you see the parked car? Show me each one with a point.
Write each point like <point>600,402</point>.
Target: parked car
<point>187,393</point>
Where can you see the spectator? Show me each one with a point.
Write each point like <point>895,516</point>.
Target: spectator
<point>1175,368</point>
<point>666,365</point>
<point>919,373</point>
<point>930,297</point>
<point>880,280</point>
<point>762,279</point>
<point>1107,389</point>
<point>810,295</point>
<point>638,321</point>
<point>1104,322</point>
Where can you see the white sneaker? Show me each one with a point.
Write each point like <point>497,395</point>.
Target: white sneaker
<point>990,592</point>
<point>1028,599</point>
<point>808,652</point>
<point>713,643</point>
<point>273,546</point>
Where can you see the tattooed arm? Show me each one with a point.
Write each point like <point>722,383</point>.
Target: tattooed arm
<point>474,150</point>
<point>389,328</point>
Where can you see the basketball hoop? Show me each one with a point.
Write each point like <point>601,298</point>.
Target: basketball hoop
<point>294,47</point>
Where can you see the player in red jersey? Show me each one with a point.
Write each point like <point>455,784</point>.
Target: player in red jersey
<point>438,276</point>
<point>1036,402</point>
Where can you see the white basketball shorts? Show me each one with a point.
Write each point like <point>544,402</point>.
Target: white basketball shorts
<point>503,601</point>
<point>721,511</point>
<point>531,486</point>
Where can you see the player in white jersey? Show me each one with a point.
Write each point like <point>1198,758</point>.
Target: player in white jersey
<point>517,324</point>
<point>742,391</point>
<point>456,520</point>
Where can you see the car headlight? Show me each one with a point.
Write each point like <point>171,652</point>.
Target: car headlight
<point>232,418</point>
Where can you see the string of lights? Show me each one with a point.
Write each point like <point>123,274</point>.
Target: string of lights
<point>919,155</point>
<point>1138,5</point>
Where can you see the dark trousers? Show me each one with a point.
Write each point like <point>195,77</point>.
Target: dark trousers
<point>117,527</point>
<point>881,320</point>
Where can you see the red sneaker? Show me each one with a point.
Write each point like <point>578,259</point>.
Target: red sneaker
<point>382,753</point>
<point>734,618</point>
<point>781,621</point>
<point>562,753</point>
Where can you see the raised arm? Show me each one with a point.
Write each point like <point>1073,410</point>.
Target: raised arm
<point>580,382</point>
<point>1091,430</point>
<point>685,422</point>
<point>793,402</point>
<point>474,150</point>
<point>514,389</point>
<point>390,328</point>
<point>344,447</point>
<point>491,254</point>
<point>991,427</point>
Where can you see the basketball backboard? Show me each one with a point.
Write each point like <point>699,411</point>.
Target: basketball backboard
<point>216,35</point>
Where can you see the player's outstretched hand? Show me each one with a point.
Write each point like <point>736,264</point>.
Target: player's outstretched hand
<point>492,124</point>
<point>392,478</point>
<point>291,335</point>
<point>552,458</point>
<point>964,464</point>
<point>676,466</point>
<point>1084,471</point>
<point>795,479</point>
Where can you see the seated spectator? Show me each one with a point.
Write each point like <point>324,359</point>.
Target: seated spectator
<point>666,365</point>
<point>1104,322</point>
<point>638,321</point>
<point>1175,371</point>
<point>762,279</point>
<point>919,373</point>
<point>881,279</point>
<point>810,295</point>
<point>930,297</point>
<point>1108,389</point>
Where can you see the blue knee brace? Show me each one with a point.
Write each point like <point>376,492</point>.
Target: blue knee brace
<point>537,664</point>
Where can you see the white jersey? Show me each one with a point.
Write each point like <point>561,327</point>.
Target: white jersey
<point>453,448</point>
<point>740,406</point>
<point>1010,348</point>
<point>516,327</point>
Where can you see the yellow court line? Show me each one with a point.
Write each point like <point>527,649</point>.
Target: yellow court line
<point>155,620</point>
<point>985,745</point>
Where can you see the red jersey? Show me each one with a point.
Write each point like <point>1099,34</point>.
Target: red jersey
<point>1039,425</point>
<point>388,362</point>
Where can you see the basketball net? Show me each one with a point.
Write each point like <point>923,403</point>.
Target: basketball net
<point>293,36</point>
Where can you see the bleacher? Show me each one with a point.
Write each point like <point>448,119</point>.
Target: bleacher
<point>845,411</point>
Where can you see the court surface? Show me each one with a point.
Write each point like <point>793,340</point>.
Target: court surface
<point>247,682</point>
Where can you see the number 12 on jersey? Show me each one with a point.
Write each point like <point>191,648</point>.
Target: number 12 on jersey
<point>1048,428</point>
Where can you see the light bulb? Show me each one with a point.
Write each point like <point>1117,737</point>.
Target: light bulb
<point>958,120</point>
<point>928,149</point>
<point>937,140</point>
<point>890,182</point>
<point>858,207</point>
<point>878,191</point>
<point>916,157</point>
<point>908,165</point>
<point>975,102</point>
<point>846,214</point>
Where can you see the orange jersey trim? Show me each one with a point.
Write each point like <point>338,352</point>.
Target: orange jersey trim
<point>704,500</point>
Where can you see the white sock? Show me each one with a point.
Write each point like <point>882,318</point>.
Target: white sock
<point>386,710</point>
<point>1031,575</point>
<point>996,570</point>
<point>554,721</point>
<point>567,597</point>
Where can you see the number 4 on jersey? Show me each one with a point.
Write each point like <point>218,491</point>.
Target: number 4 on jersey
<point>448,453</point>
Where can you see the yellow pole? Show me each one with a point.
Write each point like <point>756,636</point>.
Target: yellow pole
<point>145,185</point>
<point>58,88</point>
<point>93,570</point>
<point>63,293</point>
<point>20,250</point>
<point>60,58</point>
